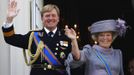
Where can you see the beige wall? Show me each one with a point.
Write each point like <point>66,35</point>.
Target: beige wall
<point>11,58</point>
<point>4,48</point>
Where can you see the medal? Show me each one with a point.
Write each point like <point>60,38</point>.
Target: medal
<point>62,55</point>
<point>64,43</point>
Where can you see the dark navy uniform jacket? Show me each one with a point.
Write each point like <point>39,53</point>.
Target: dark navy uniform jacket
<point>56,44</point>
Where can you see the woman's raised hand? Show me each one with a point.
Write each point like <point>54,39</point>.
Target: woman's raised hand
<point>70,33</point>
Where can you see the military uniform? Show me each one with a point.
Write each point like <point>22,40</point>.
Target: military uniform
<point>59,44</point>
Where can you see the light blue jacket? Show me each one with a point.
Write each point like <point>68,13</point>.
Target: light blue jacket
<point>93,64</point>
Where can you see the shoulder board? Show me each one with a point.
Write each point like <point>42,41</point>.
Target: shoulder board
<point>40,32</point>
<point>35,30</point>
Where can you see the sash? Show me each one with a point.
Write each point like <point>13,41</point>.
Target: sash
<point>47,53</point>
<point>103,61</point>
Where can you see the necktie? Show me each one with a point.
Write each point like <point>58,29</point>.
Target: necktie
<point>50,34</point>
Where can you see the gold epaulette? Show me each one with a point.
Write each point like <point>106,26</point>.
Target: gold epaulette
<point>9,33</point>
<point>36,30</point>
<point>35,56</point>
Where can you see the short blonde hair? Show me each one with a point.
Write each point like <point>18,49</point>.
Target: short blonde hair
<point>50,7</point>
<point>95,35</point>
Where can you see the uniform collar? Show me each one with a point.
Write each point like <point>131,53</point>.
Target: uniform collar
<point>103,50</point>
<point>47,31</point>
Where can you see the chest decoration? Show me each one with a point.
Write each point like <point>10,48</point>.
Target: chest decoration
<point>62,55</point>
<point>46,52</point>
<point>64,43</point>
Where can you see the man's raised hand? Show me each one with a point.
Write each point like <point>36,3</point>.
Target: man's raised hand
<point>12,11</point>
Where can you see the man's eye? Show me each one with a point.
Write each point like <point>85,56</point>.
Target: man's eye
<point>47,16</point>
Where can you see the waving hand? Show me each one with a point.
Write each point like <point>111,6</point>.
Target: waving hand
<point>12,11</point>
<point>70,33</point>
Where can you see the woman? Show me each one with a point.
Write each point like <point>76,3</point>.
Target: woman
<point>101,58</point>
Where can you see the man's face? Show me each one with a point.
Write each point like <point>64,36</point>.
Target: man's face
<point>50,19</point>
<point>131,67</point>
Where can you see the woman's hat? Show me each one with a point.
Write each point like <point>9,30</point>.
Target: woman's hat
<point>117,26</point>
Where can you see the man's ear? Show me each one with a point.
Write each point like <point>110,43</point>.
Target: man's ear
<point>41,18</point>
<point>58,19</point>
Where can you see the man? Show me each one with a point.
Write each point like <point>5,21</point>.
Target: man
<point>131,66</point>
<point>48,47</point>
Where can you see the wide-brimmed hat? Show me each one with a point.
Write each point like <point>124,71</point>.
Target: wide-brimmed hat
<point>117,26</point>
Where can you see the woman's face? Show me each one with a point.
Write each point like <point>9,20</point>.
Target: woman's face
<point>105,39</point>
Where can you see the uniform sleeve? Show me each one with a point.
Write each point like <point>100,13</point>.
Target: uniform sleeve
<point>121,65</point>
<point>7,25</point>
<point>83,58</point>
<point>17,40</point>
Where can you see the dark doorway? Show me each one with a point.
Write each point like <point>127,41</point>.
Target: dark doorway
<point>85,12</point>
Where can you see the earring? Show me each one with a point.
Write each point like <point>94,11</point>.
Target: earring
<point>95,42</point>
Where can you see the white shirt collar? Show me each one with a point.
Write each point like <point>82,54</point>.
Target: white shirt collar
<point>47,31</point>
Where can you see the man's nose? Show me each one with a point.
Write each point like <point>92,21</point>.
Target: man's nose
<point>50,17</point>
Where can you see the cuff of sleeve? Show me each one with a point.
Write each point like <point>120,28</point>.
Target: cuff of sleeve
<point>7,25</point>
<point>8,31</point>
